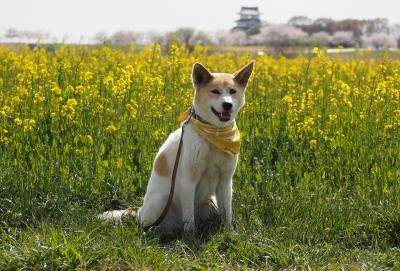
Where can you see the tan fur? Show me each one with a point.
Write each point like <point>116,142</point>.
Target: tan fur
<point>161,165</point>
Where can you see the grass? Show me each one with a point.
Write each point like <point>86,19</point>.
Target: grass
<point>82,243</point>
<point>316,186</point>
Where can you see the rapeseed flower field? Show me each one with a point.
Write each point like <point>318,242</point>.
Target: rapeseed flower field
<point>317,184</point>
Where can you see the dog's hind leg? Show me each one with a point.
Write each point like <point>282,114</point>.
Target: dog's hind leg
<point>151,209</point>
<point>207,211</point>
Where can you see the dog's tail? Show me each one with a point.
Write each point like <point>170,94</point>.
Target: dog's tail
<point>116,216</point>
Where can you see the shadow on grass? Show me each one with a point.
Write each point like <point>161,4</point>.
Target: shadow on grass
<point>195,241</point>
<point>392,228</point>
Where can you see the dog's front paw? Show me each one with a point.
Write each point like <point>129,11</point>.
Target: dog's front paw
<point>189,227</point>
<point>232,231</point>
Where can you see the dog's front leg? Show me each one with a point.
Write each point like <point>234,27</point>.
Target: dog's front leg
<point>187,194</point>
<point>224,200</point>
<point>224,190</point>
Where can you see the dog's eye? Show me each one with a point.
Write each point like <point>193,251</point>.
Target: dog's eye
<point>232,91</point>
<point>215,91</point>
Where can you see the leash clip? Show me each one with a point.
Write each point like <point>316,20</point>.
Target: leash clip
<point>191,114</point>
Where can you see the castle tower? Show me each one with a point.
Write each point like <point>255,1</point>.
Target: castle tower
<point>249,19</point>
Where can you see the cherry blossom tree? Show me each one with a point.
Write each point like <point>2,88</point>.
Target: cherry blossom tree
<point>379,41</point>
<point>342,38</point>
<point>280,35</point>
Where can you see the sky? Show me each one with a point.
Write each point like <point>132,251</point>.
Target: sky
<point>78,18</point>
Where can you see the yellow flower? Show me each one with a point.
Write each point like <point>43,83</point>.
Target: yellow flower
<point>87,76</point>
<point>158,134</point>
<point>23,92</point>
<point>317,52</point>
<point>79,89</point>
<point>38,97</point>
<point>309,121</point>
<point>388,127</point>
<point>119,163</point>
<point>56,90</point>
<point>67,148</point>
<point>6,109</point>
<point>72,103</point>
<point>132,108</point>
<point>16,100</point>
<point>397,114</point>
<point>29,124</point>
<point>5,140</point>
<point>111,128</point>
<point>109,80</point>
<point>18,121</point>
<point>70,89</point>
<point>332,118</point>
<point>68,110</point>
<point>313,142</point>
<point>287,99</point>
<point>89,139</point>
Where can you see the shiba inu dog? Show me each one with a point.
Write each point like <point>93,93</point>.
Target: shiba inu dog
<point>210,147</point>
<point>191,180</point>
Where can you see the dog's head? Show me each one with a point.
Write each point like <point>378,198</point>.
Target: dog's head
<point>219,96</point>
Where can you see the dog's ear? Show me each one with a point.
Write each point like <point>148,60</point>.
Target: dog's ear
<point>200,75</point>
<point>242,76</point>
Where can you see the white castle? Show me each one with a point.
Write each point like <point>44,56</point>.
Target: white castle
<point>249,20</point>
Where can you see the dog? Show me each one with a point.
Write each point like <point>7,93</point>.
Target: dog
<point>204,174</point>
<point>202,186</point>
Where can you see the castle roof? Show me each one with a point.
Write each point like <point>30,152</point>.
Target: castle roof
<point>249,11</point>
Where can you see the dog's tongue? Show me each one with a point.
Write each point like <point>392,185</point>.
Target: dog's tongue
<point>225,116</point>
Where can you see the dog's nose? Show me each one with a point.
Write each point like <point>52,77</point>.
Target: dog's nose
<point>226,106</point>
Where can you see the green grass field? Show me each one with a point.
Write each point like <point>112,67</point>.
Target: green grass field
<point>316,188</point>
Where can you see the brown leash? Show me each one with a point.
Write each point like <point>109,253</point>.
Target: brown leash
<point>173,178</point>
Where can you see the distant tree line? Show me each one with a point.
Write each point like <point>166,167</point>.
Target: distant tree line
<point>16,35</point>
<point>298,31</point>
<point>185,35</point>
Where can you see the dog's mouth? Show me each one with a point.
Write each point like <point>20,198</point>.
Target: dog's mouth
<point>223,116</point>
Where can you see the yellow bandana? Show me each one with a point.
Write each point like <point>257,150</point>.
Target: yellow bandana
<point>226,139</point>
